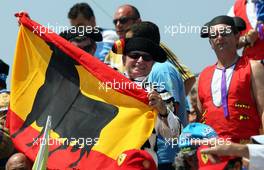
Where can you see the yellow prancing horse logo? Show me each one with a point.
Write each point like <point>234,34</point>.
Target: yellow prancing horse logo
<point>121,158</point>
<point>204,158</point>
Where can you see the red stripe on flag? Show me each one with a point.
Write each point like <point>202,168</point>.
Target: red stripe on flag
<point>90,63</point>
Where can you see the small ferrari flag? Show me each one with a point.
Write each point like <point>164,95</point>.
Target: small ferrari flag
<point>97,113</point>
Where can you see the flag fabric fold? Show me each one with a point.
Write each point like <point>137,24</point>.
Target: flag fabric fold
<point>97,113</point>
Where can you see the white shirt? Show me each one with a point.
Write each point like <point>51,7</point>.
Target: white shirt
<point>216,84</point>
<point>256,156</point>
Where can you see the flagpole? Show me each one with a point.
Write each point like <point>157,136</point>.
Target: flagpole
<point>39,163</point>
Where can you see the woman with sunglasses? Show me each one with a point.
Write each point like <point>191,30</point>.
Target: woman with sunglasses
<point>139,56</point>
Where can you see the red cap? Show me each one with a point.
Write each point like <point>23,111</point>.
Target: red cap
<point>134,160</point>
<point>204,162</point>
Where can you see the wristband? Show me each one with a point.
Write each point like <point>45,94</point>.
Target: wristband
<point>163,116</point>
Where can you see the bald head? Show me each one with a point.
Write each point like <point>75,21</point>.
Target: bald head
<point>124,17</point>
<point>18,161</point>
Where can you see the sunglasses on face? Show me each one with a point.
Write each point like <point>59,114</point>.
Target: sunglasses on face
<point>145,56</point>
<point>123,20</point>
<point>223,33</point>
<point>84,43</point>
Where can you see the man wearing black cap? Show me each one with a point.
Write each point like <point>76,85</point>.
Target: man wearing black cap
<point>231,92</point>
<point>139,55</point>
<point>168,80</point>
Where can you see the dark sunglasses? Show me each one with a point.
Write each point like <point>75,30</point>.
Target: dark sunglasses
<point>223,33</point>
<point>79,39</point>
<point>123,20</point>
<point>145,57</point>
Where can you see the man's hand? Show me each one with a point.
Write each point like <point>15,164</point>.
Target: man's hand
<point>233,149</point>
<point>216,147</point>
<point>257,87</point>
<point>157,103</point>
<point>248,39</point>
<point>252,36</point>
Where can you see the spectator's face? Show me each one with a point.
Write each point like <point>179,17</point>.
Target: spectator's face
<point>222,38</point>
<point>123,19</point>
<point>138,64</point>
<point>18,161</point>
<point>82,21</point>
<point>4,100</point>
<point>86,44</point>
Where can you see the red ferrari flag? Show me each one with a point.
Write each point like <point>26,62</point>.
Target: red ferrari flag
<point>97,113</point>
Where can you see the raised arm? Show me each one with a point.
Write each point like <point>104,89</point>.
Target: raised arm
<point>257,85</point>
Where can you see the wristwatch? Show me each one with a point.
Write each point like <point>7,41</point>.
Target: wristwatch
<point>164,116</point>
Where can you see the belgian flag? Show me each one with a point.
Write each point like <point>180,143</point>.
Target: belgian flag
<point>97,113</point>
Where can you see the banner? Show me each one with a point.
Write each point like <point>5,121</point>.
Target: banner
<point>97,113</point>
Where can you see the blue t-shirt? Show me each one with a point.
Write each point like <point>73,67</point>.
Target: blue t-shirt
<point>166,150</point>
<point>103,47</point>
<point>166,77</point>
